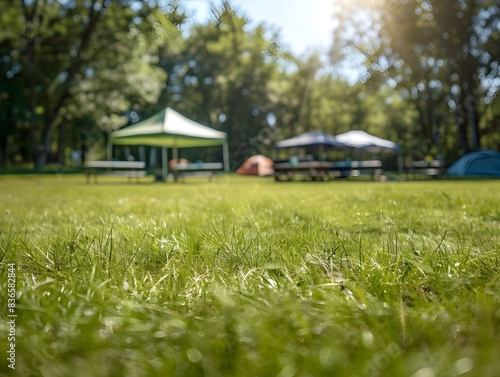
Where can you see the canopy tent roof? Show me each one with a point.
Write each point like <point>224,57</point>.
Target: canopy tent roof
<point>362,140</point>
<point>168,128</point>
<point>480,163</point>
<point>310,139</point>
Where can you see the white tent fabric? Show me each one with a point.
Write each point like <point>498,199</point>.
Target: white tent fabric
<point>169,129</point>
<point>362,140</point>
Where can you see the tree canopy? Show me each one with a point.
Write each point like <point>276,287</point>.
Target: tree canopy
<point>443,55</point>
<point>70,70</point>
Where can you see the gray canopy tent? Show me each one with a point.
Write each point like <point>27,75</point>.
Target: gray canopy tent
<point>170,129</point>
<point>310,139</point>
<point>318,140</point>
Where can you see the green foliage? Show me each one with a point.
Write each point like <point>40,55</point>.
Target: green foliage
<point>224,75</point>
<point>72,70</point>
<point>440,54</point>
<point>246,277</point>
<point>74,61</point>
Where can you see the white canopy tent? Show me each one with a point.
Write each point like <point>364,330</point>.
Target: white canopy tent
<point>362,140</point>
<point>170,129</point>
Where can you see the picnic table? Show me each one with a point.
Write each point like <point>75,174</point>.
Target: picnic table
<point>206,168</point>
<point>129,169</point>
<point>326,170</point>
<point>373,168</point>
<point>431,168</point>
<point>315,170</point>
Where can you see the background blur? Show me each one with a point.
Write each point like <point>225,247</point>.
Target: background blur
<point>424,73</point>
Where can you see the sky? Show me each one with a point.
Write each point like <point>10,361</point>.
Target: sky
<point>304,25</point>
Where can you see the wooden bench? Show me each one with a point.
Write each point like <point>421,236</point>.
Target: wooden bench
<point>129,169</point>
<point>204,168</point>
<point>433,169</point>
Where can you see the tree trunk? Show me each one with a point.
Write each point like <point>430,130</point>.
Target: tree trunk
<point>476,133</point>
<point>462,135</point>
<point>3,150</point>
<point>422,115</point>
<point>7,124</point>
<point>60,143</point>
<point>72,71</point>
<point>40,159</point>
<point>29,34</point>
<point>472,115</point>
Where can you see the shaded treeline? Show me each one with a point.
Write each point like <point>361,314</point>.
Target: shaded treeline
<point>423,73</point>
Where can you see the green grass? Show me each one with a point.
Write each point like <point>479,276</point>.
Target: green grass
<point>248,277</point>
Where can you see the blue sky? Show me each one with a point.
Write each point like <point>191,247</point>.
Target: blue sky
<point>304,25</point>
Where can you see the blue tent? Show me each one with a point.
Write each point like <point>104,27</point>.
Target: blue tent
<point>480,163</point>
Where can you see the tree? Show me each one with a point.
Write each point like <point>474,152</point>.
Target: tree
<point>66,61</point>
<point>223,76</point>
<point>440,53</point>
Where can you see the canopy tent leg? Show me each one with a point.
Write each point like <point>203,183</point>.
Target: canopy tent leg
<point>128,154</point>
<point>142,153</point>
<point>152,158</point>
<point>164,164</point>
<point>175,155</point>
<point>109,150</point>
<point>225,154</point>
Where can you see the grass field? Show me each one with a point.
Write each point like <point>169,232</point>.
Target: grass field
<point>248,277</point>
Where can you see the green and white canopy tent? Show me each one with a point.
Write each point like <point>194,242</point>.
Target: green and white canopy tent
<point>170,129</point>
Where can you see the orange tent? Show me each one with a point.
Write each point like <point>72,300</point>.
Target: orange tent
<point>257,165</point>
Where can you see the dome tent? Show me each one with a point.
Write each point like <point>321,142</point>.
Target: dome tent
<point>257,165</point>
<point>483,163</point>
